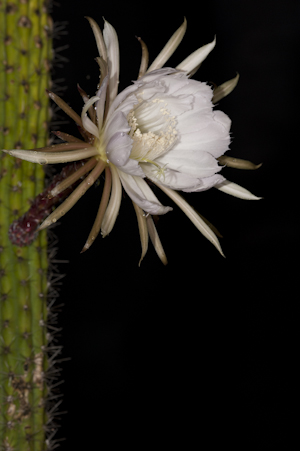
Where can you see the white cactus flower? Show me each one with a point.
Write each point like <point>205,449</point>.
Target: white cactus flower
<point>162,128</point>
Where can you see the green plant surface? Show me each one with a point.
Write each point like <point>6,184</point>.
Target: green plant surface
<point>25,56</point>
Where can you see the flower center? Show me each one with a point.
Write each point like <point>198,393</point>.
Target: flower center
<point>153,129</point>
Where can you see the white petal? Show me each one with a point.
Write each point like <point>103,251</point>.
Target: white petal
<point>194,163</point>
<point>180,181</point>
<point>207,183</point>
<point>178,83</point>
<point>150,90</point>
<point>197,57</point>
<point>86,121</point>
<point>176,105</point>
<point>138,190</point>
<point>112,46</point>
<point>167,177</point>
<point>118,123</point>
<point>216,123</point>
<point>169,48</point>
<point>113,207</point>
<point>194,122</point>
<point>154,75</point>
<point>118,149</point>
<point>212,140</point>
<point>236,190</point>
<point>132,167</point>
<point>100,104</point>
<point>119,99</point>
<point>222,119</point>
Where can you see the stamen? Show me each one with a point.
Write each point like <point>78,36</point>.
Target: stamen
<point>151,115</point>
<point>160,171</point>
<point>146,160</point>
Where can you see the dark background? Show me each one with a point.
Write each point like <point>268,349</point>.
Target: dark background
<point>201,350</point>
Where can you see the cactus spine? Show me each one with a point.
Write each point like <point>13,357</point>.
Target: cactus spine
<point>25,55</point>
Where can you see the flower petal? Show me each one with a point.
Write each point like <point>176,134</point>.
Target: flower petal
<point>52,157</point>
<point>238,163</point>
<point>236,190</point>
<point>193,216</point>
<point>132,167</point>
<point>119,148</point>
<point>178,83</point>
<point>118,123</point>
<point>100,104</point>
<point>140,193</point>
<point>101,211</point>
<point>207,122</point>
<point>226,88</point>
<point>127,92</point>
<point>142,224</point>
<point>112,46</point>
<point>192,162</point>
<point>211,135</point>
<point>196,58</point>
<point>63,208</point>
<point>86,121</point>
<point>86,167</point>
<point>169,48</point>
<point>155,75</point>
<point>98,38</point>
<point>180,181</point>
<point>65,107</point>
<point>113,207</point>
<point>206,183</point>
<point>145,58</point>
<point>156,240</point>
<point>124,96</point>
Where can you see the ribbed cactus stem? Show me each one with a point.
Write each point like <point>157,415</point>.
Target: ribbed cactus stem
<point>25,55</point>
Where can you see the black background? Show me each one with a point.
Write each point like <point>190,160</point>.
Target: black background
<point>201,350</point>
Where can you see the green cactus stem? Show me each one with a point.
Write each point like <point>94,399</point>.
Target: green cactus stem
<point>25,57</point>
